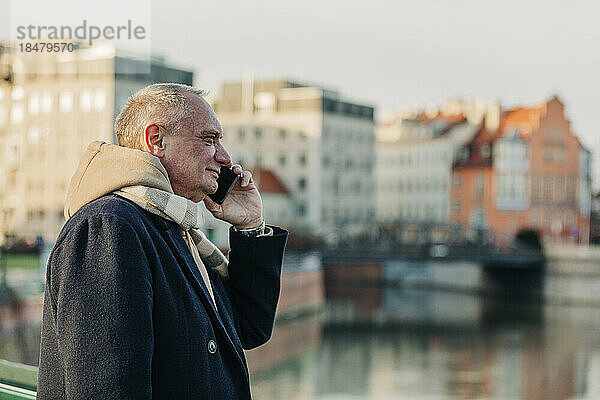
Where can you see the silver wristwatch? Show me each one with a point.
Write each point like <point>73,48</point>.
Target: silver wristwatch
<point>254,232</point>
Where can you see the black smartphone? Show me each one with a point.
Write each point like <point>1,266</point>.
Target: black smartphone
<point>226,181</point>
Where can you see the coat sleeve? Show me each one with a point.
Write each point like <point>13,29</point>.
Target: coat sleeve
<point>99,288</point>
<point>254,284</point>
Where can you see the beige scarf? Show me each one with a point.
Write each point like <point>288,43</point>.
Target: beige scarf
<point>141,178</point>
<point>184,213</point>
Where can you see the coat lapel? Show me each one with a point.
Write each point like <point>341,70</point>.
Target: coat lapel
<point>191,272</point>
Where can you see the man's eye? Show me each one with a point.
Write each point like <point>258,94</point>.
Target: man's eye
<point>209,140</point>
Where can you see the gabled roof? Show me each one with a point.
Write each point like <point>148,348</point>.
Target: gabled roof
<point>524,120</point>
<point>268,182</point>
<point>441,117</point>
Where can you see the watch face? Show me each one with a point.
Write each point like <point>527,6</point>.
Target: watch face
<point>252,232</point>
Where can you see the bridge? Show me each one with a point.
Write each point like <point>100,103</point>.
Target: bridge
<point>487,256</point>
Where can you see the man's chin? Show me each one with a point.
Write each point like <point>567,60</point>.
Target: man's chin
<point>209,191</point>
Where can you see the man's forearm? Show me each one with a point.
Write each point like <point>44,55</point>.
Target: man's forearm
<point>254,284</point>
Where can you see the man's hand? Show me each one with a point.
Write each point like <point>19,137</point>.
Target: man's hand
<point>243,206</point>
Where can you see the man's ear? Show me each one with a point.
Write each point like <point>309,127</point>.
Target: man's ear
<point>153,140</point>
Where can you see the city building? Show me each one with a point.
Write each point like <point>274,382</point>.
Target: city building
<point>415,155</point>
<point>52,105</point>
<point>530,172</point>
<point>320,146</point>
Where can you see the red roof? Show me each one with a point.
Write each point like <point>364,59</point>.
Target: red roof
<point>268,182</point>
<point>525,120</point>
<point>451,118</point>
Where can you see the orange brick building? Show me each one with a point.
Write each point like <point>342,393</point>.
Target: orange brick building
<point>528,171</point>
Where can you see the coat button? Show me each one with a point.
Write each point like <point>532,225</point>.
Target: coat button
<point>212,346</point>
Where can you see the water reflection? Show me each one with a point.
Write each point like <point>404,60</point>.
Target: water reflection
<point>415,340</point>
<point>20,328</point>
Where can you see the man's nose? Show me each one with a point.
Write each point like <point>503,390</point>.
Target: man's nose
<point>221,155</point>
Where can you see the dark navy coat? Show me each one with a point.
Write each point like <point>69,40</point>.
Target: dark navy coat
<point>127,314</point>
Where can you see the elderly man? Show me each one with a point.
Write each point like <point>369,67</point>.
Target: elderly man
<point>138,303</point>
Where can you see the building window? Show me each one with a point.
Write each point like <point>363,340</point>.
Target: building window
<point>33,135</point>
<point>65,101</point>
<point>258,133</point>
<point>546,220</point>
<point>301,183</point>
<point>559,154</point>
<point>535,218</point>
<point>456,180</point>
<point>17,113</point>
<point>282,159</point>
<point>241,133</point>
<point>456,207</point>
<point>479,185</point>
<point>548,188</point>
<point>464,154</point>
<point>282,134</point>
<point>570,219</point>
<point>485,151</point>
<point>47,103</point>
<point>17,93</point>
<point>560,188</point>
<point>85,101</point>
<point>548,153</point>
<point>535,188</point>
<point>571,188</point>
<point>302,159</point>
<point>34,103</point>
<point>301,210</point>
<point>554,134</point>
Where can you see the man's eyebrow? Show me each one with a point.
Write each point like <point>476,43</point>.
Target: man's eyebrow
<point>215,133</point>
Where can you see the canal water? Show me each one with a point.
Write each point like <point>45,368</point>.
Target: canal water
<point>448,331</point>
<point>434,334</point>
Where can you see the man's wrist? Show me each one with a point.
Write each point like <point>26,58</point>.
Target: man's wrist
<point>253,232</point>
<point>251,226</point>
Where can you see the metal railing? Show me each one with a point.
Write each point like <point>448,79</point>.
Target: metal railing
<point>17,381</point>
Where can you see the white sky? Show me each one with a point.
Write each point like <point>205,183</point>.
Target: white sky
<point>397,54</point>
<point>393,54</point>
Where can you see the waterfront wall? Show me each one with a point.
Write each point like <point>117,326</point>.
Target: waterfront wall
<point>300,292</point>
<point>573,259</point>
<point>297,324</point>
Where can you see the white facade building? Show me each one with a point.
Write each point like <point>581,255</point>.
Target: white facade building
<point>322,148</point>
<point>51,107</point>
<point>414,167</point>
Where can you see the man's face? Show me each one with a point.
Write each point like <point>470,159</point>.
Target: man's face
<point>194,155</point>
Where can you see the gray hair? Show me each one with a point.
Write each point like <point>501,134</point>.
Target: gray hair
<point>163,104</point>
